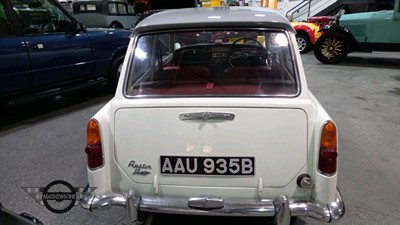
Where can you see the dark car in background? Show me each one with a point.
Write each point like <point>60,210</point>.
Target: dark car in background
<point>8,217</point>
<point>44,49</point>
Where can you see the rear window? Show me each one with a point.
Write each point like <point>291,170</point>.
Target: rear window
<point>212,63</point>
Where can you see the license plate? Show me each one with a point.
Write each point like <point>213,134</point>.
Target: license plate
<point>207,165</point>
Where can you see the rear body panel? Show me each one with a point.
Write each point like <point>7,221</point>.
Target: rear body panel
<point>373,27</point>
<point>271,136</point>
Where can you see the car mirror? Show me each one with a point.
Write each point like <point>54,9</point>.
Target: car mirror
<point>80,27</point>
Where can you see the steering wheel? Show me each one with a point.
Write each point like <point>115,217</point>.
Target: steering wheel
<point>48,22</point>
<point>246,55</point>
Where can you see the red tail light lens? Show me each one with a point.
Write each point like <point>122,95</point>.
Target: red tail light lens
<point>93,148</point>
<point>327,163</point>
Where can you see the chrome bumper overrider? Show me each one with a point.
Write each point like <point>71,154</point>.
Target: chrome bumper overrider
<point>281,208</point>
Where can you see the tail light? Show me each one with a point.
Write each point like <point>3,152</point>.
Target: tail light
<point>327,163</point>
<point>93,148</point>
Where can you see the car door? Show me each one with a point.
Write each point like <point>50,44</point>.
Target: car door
<point>395,34</point>
<point>58,51</point>
<point>15,68</point>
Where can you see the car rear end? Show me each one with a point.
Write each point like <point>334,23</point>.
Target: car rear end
<point>193,129</point>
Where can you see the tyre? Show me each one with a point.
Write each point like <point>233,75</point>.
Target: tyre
<point>115,71</point>
<point>331,48</point>
<point>303,42</point>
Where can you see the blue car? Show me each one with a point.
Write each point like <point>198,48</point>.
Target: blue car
<point>43,49</point>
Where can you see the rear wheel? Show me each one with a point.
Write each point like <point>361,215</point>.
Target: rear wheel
<point>331,48</point>
<point>303,42</point>
<point>115,71</point>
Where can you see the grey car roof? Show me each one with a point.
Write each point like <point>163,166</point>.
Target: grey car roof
<point>242,17</point>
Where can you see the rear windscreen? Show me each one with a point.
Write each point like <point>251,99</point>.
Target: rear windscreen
<point>212,63</point>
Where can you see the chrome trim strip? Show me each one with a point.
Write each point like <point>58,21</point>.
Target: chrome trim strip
<point>282,207</point>
<point>206,116</point>
<point>232,208</point>
<point>101,202</point>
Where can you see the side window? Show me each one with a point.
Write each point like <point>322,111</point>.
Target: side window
<point>122,9</point>
<point>41,16</point>
<point>142,61</point>
<point>85,8</point>
<point>131,9</point>
<point>5,28</point>
<point>112,8</point>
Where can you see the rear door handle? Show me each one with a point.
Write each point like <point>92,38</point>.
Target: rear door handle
<point>206,116</point>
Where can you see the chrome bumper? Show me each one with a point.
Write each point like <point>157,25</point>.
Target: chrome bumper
<point>281,208</point>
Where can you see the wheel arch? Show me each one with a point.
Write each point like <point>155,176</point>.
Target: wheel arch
<point>354,45</point>
<point>307,39</point>
<point>117,55</point>
<point>118,52</point>
<point>303,29</point>
<point>121,51</point>
<point>116,24</point>
<point>303,32</point>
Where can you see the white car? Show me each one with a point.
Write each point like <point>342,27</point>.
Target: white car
<point>105,13</point>
<point>213,116</point>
